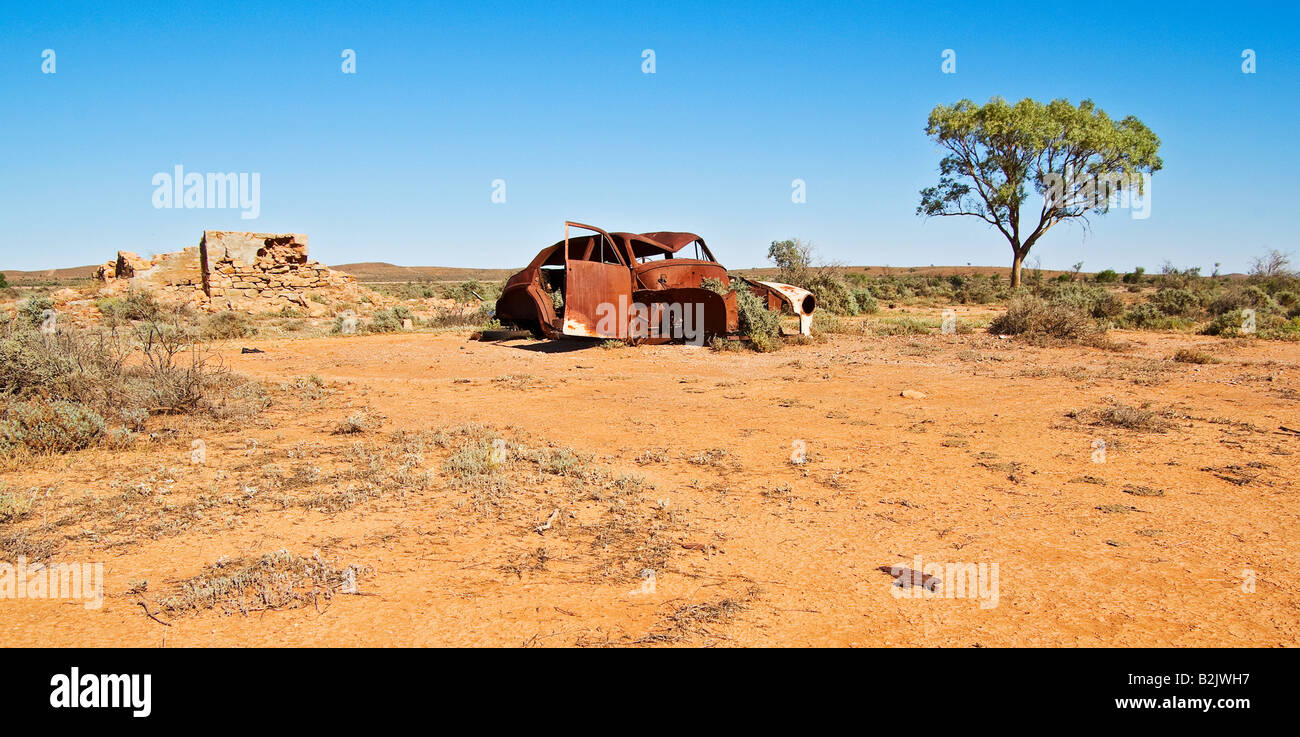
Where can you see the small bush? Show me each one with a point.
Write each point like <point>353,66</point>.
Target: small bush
<point>1122,415</point>
<point>1137,276</point>
<point>1240,298</point>
<point>1176,302</point>
<point>14,507</point>
<point>1227,324</point>
<point>867,303</point>
<point>1036,317</point>
<point>138,304</point>
<point>761,325</point>
<point>1107,276</point>
<point>41,426</point>
<point>227,325</point>
<point>385,321</point>
<point>903,325</point>
<point>1188,355</point>
<point>32,310</point>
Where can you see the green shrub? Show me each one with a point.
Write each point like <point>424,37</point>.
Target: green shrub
<point>1107,276</point>
<point>902,325</point>
<point>761,325</point>
<point>138,304</point>
<point>32,310</point>
<point>472,290</point>
<point>42,426</point>
<point>1144,316</point>
<point>1227,324</point>
<point>1238,298</point>
<point>867,303</point>
<point>227,325</point>
<point>1176,302</point>
<point>1137,276</point>
<point>833,295</point>
<point>62,390</point>
<point>14,507</point>
<point>384,321</point>
<point>1034,316</point>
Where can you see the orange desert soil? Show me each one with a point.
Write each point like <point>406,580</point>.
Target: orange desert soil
<point>753,547</point>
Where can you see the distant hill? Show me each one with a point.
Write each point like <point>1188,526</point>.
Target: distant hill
<point>71,273</point>
<point>378,271</point>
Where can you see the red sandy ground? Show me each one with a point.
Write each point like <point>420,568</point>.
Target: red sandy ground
<point>987,468</point>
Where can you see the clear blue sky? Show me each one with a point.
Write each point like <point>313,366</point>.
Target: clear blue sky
<point>396,162</point>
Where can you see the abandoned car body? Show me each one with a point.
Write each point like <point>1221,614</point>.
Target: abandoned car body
<point>646,287</point>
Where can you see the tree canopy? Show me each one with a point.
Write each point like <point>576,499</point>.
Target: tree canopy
<point>1076,158</point>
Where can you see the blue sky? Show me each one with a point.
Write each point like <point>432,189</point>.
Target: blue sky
<point>396,162</point>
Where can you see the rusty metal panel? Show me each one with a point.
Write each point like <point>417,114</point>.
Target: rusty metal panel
<point>592,296</point>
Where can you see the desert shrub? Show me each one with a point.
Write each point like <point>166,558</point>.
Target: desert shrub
<point>722,345</point>
<point>278,580</point>
<point>1146,316</point>
<point>226,325</point>
<point>867,303</point>
<point>832,293</point>
<point>384,321</point>
<point>1089,299</point>
<point>902,325</point>
<point>1033,316</point>
<point>1176,302</point>
<point>1238,298</point>
<point>472,291</point>
<point>978,291</point>
<point>1106,276</point>
<point>1118,414</point>
<point>1107,305</point>
<point>1136,276</point>
<point>137,304</point>
<point>32,310</point>
<point>1227,324</point>
<point>1189,355</point>
<point>79,383</point>
<point>42,426</point>
<point>761,325</point>
<point>14,506</point>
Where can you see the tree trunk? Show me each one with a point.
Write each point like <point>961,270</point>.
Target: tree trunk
<point>1018,259</point>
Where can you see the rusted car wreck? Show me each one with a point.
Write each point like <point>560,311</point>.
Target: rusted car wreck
<point>644,287</point>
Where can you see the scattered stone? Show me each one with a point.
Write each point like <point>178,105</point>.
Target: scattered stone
<point>912,394</point>
<point>230,270</point>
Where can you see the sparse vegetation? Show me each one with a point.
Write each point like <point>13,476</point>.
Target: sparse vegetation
<point>279,580</point>
<point>1118,414</point>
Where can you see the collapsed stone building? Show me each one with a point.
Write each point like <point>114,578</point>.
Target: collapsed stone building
<point>251,272</point>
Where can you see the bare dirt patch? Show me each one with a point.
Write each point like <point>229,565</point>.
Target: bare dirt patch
<point>517,494</point>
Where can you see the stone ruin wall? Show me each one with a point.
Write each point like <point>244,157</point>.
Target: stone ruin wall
<point>252,272</point>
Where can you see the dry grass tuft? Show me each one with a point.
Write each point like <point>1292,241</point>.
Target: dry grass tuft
<point>1188,355</point>
<point>1118,414</point>
<point>278,580</point>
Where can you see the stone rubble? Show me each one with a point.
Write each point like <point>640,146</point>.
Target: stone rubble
<point>230,270</point>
